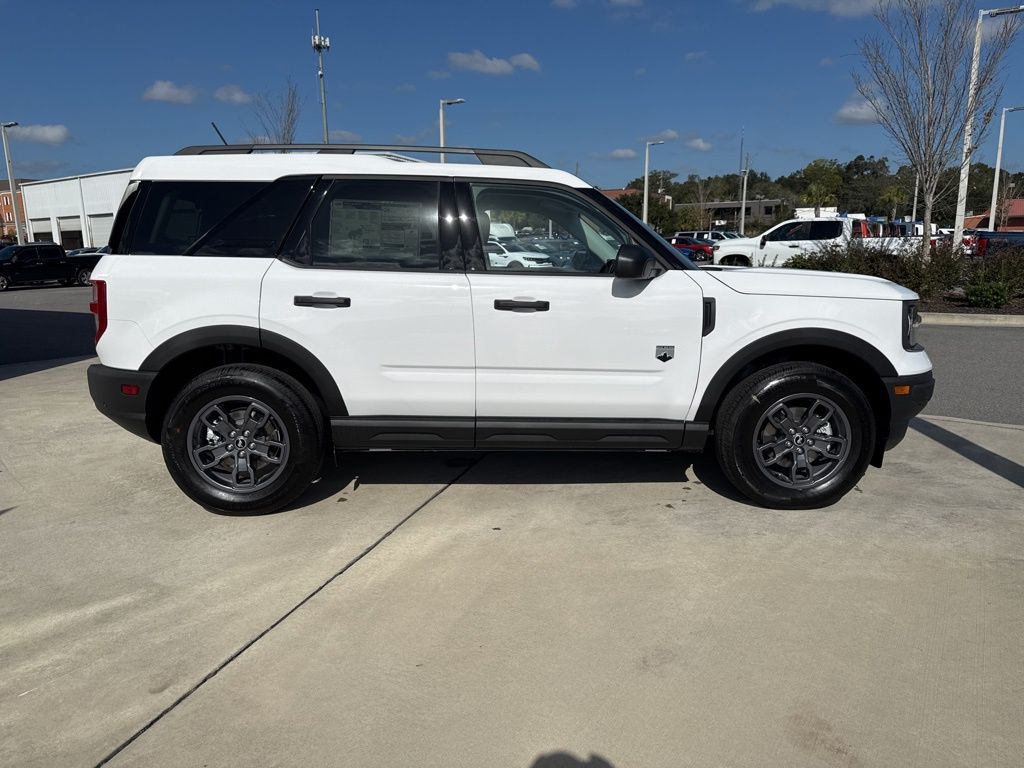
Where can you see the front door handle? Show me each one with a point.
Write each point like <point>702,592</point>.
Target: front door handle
<point>514,305</point>
<point>323,301</point>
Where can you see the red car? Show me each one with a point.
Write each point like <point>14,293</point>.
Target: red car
<point>703,249</point>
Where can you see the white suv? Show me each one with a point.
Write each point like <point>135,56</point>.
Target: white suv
<point>779,244</point>
<point>260,309</point>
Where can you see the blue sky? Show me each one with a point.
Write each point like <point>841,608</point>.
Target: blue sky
<point>99,85</point>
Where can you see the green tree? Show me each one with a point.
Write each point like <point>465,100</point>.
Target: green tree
<point>659,214</point>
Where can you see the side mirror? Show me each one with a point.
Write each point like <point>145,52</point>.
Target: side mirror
<point>764,239</point>
<point>634,263</point>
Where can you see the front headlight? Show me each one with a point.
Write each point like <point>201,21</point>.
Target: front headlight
<point>911,319</point>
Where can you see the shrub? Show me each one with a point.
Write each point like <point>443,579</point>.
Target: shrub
<point>992,294</point>
<point>1003,266</point>
<point>928,275</point>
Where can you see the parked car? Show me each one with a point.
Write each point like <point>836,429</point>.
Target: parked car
<point>293,304</point>
<point>513,256</point>
<point>989,243</point>
<point>702,249</point>
<point>783,241</point>
<point>714,235</point>
<point>43,262</point>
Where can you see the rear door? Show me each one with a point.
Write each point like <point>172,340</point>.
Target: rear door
<point>53,262</point>
<point>372,283</point>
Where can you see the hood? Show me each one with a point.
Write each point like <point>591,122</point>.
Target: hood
<point>804,282</point>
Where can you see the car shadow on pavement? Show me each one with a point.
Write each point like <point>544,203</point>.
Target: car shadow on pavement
<point>566,760</point>
<point>534,468</point>
<point>993,462</point>
<point>31,335</point>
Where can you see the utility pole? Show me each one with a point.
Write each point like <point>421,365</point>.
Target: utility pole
<point>743,197</point>
<point>321,44</point>
<point>965,166</point>
<point>11,182</point>
<point>917,183</point>
<point>647,172</point>
<point>743,131</point>
<point>993,214</point>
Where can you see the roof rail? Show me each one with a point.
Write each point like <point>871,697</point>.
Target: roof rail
<point>485,156</point>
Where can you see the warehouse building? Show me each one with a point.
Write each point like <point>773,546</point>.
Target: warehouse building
<point>77,211</point>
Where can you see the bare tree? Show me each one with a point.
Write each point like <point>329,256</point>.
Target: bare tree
<point>1007,192</point>
<point>277,115</point>
<point>917,82</point>
<point>701,196</point>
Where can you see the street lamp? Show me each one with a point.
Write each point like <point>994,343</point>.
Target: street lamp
<point>10,182</point>
<point>999,161</point>
<point>647,171</point>
<point>965,167</point>
<point>440,121</point>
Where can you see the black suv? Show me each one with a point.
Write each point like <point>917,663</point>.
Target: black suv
<point>40,262</point>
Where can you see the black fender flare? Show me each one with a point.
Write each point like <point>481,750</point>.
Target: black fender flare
<point>775,342</point>
<point>250,336</point>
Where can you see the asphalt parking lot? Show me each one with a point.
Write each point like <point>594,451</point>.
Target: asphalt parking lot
<point>543,610</point>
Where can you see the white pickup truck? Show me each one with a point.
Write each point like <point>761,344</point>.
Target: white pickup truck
<point>783,241</point>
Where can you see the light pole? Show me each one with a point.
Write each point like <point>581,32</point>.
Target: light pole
<point>965,166</point>
<point>992,215</point>
<point>743,199</point>
<point>440,117</point>
<point>321,43</point>
<point>647,171</point>
<point>10,182</point>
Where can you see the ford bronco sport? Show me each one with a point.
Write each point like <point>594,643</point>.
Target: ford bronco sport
<point>262,306</point>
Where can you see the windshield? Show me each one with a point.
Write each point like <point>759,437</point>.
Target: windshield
<point>664,248</point>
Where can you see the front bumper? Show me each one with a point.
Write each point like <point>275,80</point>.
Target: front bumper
<point>108,389</point>
<point>908,395</point>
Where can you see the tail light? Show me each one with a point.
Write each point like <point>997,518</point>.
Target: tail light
<point>98,306</point>
<point>982,246</point>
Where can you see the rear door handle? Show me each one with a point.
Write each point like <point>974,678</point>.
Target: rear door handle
<point>323,301</point>
<point>514,305</point>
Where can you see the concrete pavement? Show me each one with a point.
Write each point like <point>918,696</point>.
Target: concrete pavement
<point>624,610</point>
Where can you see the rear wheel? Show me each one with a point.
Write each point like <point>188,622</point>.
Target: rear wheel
<point>735,261</point>
<point>243,439</point>
<point>84,276</point>
<point>795,436</point>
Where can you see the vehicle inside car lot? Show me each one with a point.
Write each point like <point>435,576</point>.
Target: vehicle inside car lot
<point>259,309</point>
<point>42,262</point>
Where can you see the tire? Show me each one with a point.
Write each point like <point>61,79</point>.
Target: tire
<point>83,276</point>
<point>4,283</point>
<point>514,265</point>
<point>204,439</point>
<point>782,414</point>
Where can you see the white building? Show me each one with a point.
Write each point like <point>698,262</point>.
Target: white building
<point>75,211</point>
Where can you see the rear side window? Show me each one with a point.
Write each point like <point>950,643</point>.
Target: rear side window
<point>259,226</point>
<point>375,224</point>
<point>825,230</point>
<point>175,214</point>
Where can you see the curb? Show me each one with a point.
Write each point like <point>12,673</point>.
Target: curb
<point>955,318</point>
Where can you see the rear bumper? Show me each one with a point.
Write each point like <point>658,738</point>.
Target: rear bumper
<point>128,411</point>
<point>904,407</point>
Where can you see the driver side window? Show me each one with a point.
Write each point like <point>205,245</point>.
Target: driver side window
<point>797,230</point>
<point>544,231</point>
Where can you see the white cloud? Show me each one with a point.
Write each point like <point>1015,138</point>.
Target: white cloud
<point>525,61</point>
<point>622,154</point>
<point>165,90</point>
<point>640,71</point>
<point>232,94</point>
<point>667,135</point>
<point>695,55</point>
<point>845,8</point>
<point>699,144</point>
<point>477,61</point>
<point>40,134</point>
<point>439,74</point>
<point>405,88</point>
<point>856,111</point>
<point>626,3</point>
<point>345,137</point>
<point>564,3</point>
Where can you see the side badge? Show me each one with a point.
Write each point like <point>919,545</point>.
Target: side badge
<point>664,353</point>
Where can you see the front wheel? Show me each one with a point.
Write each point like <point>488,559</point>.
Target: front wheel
<point>795,436</point>
<point>4,283</point>
<point>243,439</point>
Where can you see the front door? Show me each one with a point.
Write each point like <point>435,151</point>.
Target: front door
<point>568,342</point>
<point>373,286</point>
<point>783,243</point>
